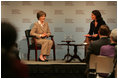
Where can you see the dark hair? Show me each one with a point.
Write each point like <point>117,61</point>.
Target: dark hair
<point>104,30</point>
<point>40,13</point>
<point>97,14</point>
<point>8,35</point>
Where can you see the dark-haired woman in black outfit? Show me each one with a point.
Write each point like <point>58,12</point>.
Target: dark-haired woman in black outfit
<point>95,24</point>
<point>94,27</point>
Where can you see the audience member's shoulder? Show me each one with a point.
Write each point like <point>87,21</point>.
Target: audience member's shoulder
<point>105,46</point>
<point>94,42</point>
<point>116,46</point>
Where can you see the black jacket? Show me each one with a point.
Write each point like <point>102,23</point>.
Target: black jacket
<point>93,29</point>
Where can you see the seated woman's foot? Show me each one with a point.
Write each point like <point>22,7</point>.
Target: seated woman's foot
<point>41,58</point>
<point>45,58</point>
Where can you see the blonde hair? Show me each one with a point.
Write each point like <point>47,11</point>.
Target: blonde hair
<point>114,35</point>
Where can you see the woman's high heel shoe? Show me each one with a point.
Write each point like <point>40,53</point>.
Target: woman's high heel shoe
<point>45,58</point>
<point>42,60</point>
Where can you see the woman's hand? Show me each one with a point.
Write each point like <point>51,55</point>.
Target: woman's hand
<point>95,35</point>
<point>44,35</point>
<point>87,35</point>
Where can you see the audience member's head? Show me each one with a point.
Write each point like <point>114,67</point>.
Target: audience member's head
<point>113,35</point>
<point>104,30</point>
<point>10,66</point>
<point>8,35</point>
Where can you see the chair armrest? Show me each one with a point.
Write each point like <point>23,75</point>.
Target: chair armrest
<point>52,40</point>
<point>33,36</point>
<point>51,36</point>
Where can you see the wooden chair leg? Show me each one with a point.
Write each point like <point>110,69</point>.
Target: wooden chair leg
<point>28,54</point>
<point>54,56</point>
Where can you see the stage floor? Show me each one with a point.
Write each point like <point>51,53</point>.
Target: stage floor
<point>56,69</point>
<point>51,62</point>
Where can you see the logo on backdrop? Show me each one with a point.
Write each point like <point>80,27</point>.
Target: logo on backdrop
<point>16,11</point>
<point>112,3</point>
<point>90,3</point>
<point>5,3</point>
<point>59,12</point>
<point>49,20</point>
<point>58,29</point>
<point>26,20</point>
<point>79,29</point>
<point>69,3</point>
<point>79,11</point>
<point>69,20</point>
<point>4,19</point>
<point>26,3</point>
<point>48,3</point>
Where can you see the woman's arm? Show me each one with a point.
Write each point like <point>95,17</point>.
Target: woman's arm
<point>91,29</point>
<point>48,31</point>
<point>33,31</point>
